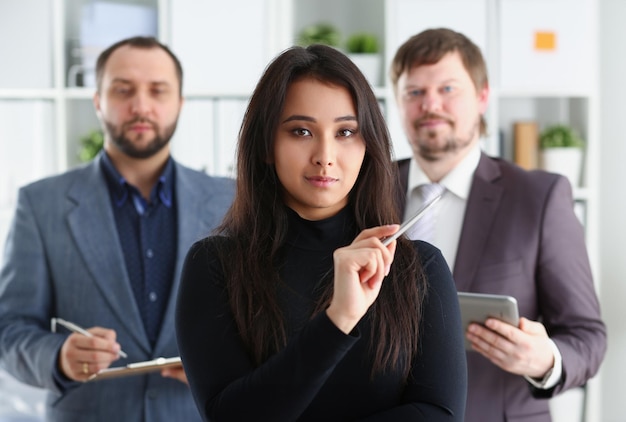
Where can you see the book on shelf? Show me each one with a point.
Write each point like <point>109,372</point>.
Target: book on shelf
<point>526,144</point>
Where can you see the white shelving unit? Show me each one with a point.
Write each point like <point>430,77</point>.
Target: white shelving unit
<point>224,47</point>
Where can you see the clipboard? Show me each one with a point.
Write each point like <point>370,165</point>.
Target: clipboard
<point>137,368</point>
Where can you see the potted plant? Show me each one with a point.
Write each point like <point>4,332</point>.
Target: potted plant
<point>90,145</point>
<point>363,49</point>
<point>562,151</point>
<point>319,33</point>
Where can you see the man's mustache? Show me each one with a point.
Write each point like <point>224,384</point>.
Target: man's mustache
<point>141,120</point>
<point>432,116</point>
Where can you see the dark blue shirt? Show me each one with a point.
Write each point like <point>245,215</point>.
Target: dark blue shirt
<point>148,234</point>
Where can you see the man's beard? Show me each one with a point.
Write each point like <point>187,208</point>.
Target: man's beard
<point>124,144</point>
<point>430,152</point>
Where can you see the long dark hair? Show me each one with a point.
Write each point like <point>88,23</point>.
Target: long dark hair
<point>257,219</point>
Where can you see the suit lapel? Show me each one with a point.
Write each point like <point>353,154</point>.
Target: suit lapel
<point>482,206</point>
<point>193,224</point>
<point>93,227</point>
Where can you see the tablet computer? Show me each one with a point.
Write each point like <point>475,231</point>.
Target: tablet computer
<point>477,307</point>
<point>137,368</point>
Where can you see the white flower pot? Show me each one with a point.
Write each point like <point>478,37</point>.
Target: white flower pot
<point>370,65</point>
<point>565,161</point>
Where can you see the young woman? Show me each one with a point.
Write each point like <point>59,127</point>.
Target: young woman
<point>296,310</point>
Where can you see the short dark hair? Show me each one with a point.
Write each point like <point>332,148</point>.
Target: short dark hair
<point>429,46</point>
<point>137,42</point>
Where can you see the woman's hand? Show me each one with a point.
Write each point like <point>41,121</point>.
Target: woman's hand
<point>176,373</point>
<point>359,272</point>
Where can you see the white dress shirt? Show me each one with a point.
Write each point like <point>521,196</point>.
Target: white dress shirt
<point>451,208</point>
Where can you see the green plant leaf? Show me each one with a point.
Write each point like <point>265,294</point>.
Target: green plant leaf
<point>321,33</point>
<point>91,144</point>
<point>362,42</point>
<point>559,136</point>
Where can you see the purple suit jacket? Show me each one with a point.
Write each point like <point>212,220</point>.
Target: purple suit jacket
<point>520,237</point>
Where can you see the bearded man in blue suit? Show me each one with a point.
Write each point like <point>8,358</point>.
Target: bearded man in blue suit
<point>102,246</point>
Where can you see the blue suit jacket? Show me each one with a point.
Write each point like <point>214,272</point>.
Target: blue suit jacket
<point>520,237</point>
<point>63,258</point>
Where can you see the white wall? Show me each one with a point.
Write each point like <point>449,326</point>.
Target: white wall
<point>613,205</point>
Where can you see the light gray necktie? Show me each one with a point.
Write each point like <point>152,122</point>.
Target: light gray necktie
<point>424,229</point>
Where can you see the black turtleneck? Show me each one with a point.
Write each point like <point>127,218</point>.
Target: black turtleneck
<point>308,252</point>
<point>322,374</point>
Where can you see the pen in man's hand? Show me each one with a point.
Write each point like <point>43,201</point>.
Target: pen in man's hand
<point>75,328</point>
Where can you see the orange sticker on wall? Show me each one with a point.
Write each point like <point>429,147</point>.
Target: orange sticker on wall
<point>545,40</point>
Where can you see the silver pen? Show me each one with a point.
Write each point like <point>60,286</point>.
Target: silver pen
<point>75,328</point>
<point>408,223</point>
